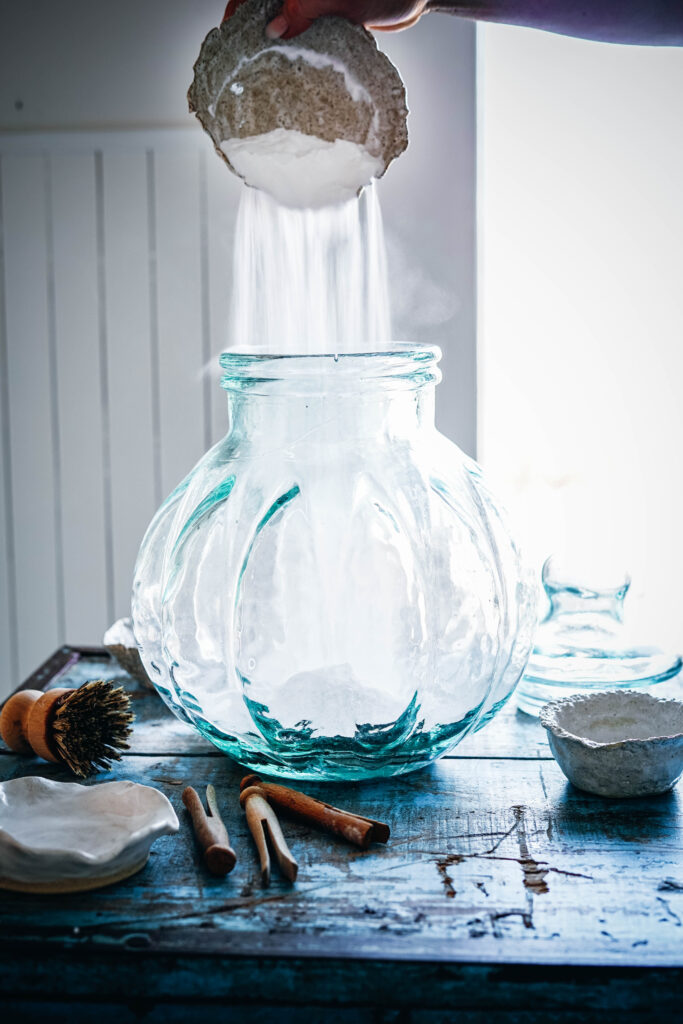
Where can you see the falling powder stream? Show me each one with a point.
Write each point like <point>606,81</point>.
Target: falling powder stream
<point>305,282</point>
<point>310,281</point>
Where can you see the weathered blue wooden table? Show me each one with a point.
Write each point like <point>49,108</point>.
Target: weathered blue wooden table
<point>503,895</point>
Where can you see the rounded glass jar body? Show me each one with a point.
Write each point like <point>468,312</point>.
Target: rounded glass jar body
<point>331,593</point>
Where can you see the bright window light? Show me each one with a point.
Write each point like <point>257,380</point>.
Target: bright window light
<point>581,304</point>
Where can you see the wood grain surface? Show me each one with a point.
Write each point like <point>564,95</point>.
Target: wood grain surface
<point>503,891</point>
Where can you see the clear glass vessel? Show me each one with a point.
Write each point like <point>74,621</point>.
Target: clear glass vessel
<point>332,593</point>
<point>583,643</point>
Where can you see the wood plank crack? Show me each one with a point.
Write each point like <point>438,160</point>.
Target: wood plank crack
<point>442,867</point>
<point>534,872</point>
<point>534,876</point>
<point>670,913</point>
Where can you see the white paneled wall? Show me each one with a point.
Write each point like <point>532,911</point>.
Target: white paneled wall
<point>31,448</point>
<point>116,257</point>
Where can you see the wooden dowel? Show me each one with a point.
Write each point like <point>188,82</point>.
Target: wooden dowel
<point>212,835</point>
<point>353,827</point>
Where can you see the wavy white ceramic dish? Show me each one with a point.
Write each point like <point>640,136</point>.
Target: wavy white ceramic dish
<point>618,743</point>
<point>64,837</point>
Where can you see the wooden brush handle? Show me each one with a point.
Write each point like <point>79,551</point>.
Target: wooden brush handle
<point>26,722</point>
<point>14,720</point>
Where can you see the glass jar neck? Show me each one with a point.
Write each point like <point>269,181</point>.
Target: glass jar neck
<point>585,587</point>
<point>275,399</point>
<point>331,417</point>
<point>572,601</point>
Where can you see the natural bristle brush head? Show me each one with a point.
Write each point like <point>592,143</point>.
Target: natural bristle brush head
<point>85,729</point>
<point>92,726</point>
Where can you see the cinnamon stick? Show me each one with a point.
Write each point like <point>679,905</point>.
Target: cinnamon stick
<point>354,828</point>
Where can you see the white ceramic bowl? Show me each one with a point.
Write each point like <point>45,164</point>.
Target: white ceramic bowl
<point>618,743</point>
<point>64,837</point>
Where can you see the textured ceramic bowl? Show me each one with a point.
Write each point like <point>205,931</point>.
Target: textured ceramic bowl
<point>618,743</point>
<point>64,837</point>
<point>119,640</point>
<point>332,83</point>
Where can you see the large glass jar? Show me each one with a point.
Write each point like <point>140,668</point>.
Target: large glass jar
<point>332,593</point>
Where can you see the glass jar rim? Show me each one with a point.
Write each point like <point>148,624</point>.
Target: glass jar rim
<point>399,365</point>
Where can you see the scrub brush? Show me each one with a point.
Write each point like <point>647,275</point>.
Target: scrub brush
<point>85,728</point>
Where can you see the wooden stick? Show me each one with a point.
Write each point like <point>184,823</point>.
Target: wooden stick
<point>353,827</point>
<point>264,827</point>
<point>212,835</point>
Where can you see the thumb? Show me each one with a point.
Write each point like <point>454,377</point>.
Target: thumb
<point>290,22</point>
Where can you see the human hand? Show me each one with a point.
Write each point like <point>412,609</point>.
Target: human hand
<point>297,15</point>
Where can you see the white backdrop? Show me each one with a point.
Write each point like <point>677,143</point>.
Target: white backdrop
<point>115,254</point>
<point>581,273</point>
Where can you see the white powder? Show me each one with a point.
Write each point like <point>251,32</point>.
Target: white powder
<point>302,170</point>
<point>309,281</point>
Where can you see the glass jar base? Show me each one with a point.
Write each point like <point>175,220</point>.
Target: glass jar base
<point>338,759</point>
<point>331,772</point>
<point>533,694</point>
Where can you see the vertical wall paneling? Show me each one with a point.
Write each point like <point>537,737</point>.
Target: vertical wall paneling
<point>150,167</point>
<point>205,295</point>
<point>105,395</point>
<point>9,666</point>
<point>179,304</point>
<point>224,191</point>
<point>129,359</point>
<point>77,379</point>
<point>51,286</point>
<point>30,405</point>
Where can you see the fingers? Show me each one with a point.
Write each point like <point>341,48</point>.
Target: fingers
<point>290,22</point>
<point>397,26</point>
<point>384,15</point>
<point>393,15</point>
<point>277,27</point>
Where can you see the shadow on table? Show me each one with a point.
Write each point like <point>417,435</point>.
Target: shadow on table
<point>580,815</point>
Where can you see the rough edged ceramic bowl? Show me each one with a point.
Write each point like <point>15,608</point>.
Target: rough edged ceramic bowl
<point>618,743</point>
<point>64,837</point>
<point>119,640</point>
<point>331,84</point>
